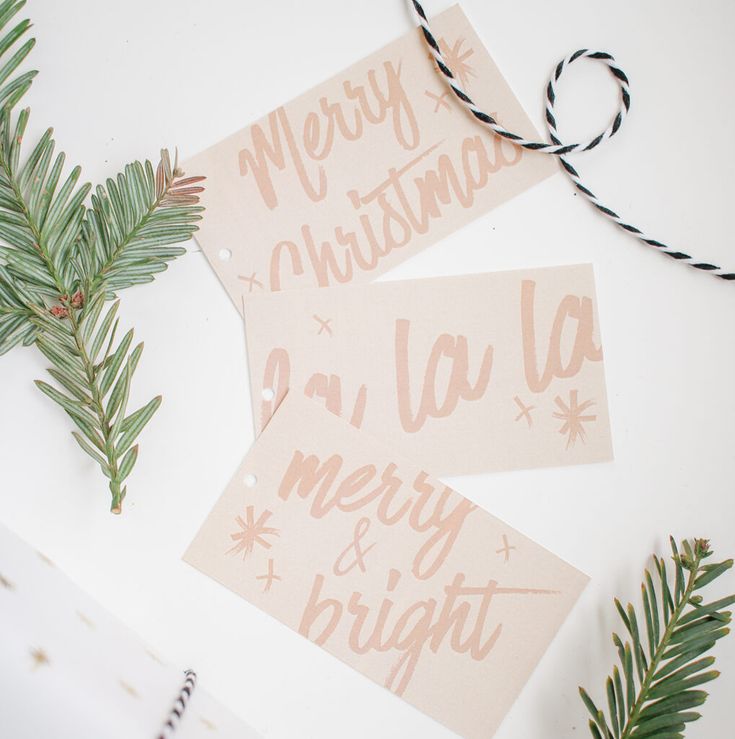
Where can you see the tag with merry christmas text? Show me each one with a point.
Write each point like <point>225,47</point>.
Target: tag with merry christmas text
<point>364,553</point>
<point>364,170</point>
<point>466,374</point>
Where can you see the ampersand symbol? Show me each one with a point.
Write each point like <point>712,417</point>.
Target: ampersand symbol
<point>354,547</point>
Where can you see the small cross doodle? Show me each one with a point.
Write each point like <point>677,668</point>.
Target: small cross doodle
<point>439,100</point>
<point>323,325</point>
<point>269,577</point>
<point>251,281</point>
<point>525,411</point>
<point>505,549</point>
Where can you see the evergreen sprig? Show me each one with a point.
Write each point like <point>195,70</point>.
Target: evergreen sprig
<point>655,693</point>
<point>62,259</point>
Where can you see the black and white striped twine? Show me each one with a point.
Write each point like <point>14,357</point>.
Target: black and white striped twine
<point>177,710</point>
<point>556,147</point>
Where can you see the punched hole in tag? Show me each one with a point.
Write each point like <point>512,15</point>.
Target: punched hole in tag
<point>250,480</point>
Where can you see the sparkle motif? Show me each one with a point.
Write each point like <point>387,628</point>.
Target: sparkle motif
<point>573,417</point>
<point>456,60</point>
<point>253,532</point>
<point>269,577</point>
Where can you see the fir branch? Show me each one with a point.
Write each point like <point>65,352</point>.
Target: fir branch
<point>133,223</point>
<point>654,695</point>
<point>61,260</point>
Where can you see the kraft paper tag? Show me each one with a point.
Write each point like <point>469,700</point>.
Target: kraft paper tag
<point>363,552</point>
<point>364,170</point>
<point>464,374</point>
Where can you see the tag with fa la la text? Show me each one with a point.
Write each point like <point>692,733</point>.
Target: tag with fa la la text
<point>466,374</point>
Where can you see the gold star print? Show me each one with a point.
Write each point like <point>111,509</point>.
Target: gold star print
<point>573,417</point>
<point>252,533</point>
<point>85,620</point>
<point>45,559</point>
<point>129,689</point>
<point>153,656</point>
<point>40,658</point>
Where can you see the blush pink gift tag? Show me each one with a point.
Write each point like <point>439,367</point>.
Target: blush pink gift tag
<point>363,552</point>
<point>368,168</point>
<point>464,374</point>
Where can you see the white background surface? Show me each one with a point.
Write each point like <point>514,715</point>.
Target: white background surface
<point>119,80</point>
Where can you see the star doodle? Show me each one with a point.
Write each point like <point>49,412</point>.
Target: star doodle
<point>505,550</point>
<point>323,325</point>
<point>456,59</point>
<point>269,577</point>
<point>573,418</point>
<point>252,532</point>
<point>251,281</point>
<point>439,100</point>
<point>525,411</point>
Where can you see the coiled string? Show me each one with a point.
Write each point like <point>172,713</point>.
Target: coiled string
<point>556,147</point>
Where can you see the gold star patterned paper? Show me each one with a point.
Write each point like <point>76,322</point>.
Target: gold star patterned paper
<point>73,670</point>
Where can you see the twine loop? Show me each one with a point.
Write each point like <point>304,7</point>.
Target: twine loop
<point>556,147</point>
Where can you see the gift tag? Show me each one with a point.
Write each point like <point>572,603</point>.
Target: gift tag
<point>366,169</point>
<point>363,552</point>
<point>464,374</point>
